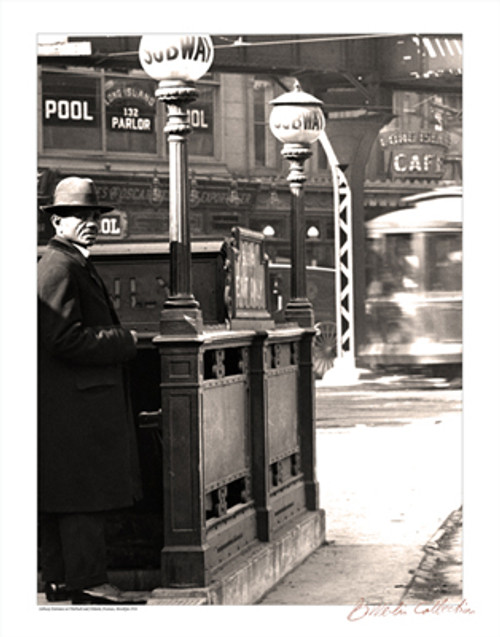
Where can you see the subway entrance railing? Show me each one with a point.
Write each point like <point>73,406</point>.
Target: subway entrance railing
<point>225,417</point>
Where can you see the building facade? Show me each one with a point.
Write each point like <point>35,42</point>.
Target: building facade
<point>393,120</point>
<point>109,126</point>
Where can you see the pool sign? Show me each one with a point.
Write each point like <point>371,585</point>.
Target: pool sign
<point>66,111</point>
<point>113,225</point>
<point>176,57</point>
<point>63,110</point>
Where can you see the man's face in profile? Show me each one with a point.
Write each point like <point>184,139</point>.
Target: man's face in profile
<point>80,227</point>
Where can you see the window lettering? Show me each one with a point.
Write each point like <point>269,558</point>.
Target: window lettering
<point>75,110</point>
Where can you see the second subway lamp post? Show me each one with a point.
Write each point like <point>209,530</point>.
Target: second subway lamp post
<point>297,121</point>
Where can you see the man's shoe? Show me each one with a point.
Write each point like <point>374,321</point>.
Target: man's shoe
<point>55,592</point>
<point>107,595</point>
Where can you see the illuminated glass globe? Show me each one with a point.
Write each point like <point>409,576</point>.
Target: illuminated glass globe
<point>297,117</point>
<point>176,57</point>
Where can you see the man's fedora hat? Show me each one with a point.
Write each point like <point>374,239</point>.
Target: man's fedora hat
<point>74,193</point>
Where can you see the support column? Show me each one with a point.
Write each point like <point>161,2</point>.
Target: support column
<point>352,136</point>
<point>260,436</point>
<point>181,312</point>
<point>307,420</point>
<point>299,309</point>
<point>184,556</point>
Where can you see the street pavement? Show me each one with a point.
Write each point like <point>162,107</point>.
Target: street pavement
<point>389,470</point>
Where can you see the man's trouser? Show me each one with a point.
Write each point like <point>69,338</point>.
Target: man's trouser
<point>73,549</point>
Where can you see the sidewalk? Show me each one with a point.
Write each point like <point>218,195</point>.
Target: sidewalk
<point>388,492</point>
<point>377,574</point>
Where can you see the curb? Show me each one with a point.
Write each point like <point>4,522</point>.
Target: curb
<point>440,569</point>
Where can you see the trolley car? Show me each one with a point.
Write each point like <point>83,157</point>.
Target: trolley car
<point>414,285</point>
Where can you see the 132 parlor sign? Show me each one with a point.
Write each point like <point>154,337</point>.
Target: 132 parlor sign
<point>130,107</point>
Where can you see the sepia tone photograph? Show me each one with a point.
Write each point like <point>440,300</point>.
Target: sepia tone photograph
<point>248,345</point>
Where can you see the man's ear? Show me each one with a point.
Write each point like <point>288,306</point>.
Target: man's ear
<point>55,220</point>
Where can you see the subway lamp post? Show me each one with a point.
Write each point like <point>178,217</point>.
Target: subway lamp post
<point>178,61</point>
<point>297,121</point>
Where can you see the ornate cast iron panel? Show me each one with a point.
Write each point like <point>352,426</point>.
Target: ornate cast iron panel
<point>282,413</point>
<point>287,504</point>
<point>230,535</point>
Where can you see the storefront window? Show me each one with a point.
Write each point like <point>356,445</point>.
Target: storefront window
<point>71,112</point>
<point>259,119</point>
<point>201,117</point>
<point>115,114</point>
<point>265,144</point>
<point>130,115</point>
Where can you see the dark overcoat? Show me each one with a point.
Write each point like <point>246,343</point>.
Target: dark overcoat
<point>87,453</point>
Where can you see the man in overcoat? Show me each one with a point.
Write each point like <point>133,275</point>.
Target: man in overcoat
<point>88,460</point>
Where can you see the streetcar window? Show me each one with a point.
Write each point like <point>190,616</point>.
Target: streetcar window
<point>444,262</point>
<point>393,265</point>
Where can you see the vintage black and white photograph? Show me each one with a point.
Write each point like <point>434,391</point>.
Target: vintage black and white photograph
<point>249,369</point>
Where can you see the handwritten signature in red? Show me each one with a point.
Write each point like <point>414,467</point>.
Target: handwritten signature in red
<point>440,607</point>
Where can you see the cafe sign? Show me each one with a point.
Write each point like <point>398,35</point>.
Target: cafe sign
<point>415,154</point>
